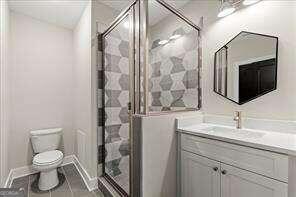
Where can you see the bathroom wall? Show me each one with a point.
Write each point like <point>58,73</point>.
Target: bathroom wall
<point>82,75</point>
<point>159,154</point>
<point>4,101</point>
<point>41,84</point>
<point>88,135</point>
<point>266,17</point>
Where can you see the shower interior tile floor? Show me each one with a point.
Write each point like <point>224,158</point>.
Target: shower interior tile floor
<point>73,186</point>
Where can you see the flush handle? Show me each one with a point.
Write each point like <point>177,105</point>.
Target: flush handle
<point>224,172</point>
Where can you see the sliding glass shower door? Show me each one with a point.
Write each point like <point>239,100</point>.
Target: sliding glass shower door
<point>117,42</point>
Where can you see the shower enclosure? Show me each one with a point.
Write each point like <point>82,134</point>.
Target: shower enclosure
<point>117,96</point>
<point>151,64</point>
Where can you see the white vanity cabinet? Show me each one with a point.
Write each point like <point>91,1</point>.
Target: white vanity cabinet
<point>212,168</point>
<point>200,176</point>
<point>236,182</point>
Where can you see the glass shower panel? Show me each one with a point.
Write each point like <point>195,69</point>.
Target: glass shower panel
<point>173,67</point>
<point>117,98</point>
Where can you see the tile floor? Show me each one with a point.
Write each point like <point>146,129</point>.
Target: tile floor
<point>72,187</point>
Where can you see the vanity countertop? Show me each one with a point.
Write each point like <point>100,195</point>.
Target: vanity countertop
<point>284,143</point>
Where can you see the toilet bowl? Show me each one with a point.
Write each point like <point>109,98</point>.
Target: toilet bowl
<point>46,163</point>
<point>48,158</point>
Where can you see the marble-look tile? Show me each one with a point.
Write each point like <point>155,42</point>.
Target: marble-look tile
<point>123,115</point>
<point>178,71</point>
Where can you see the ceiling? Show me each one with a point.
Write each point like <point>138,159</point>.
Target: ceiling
<point>64,13</point>
<point>156,11</point>
<point>118,5</point>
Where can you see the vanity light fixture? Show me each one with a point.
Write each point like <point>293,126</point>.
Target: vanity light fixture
<point>250,2</point>
<point>176,36</point>
<point>226,9</point>
<point>163,42</point>
<point>126,24</point>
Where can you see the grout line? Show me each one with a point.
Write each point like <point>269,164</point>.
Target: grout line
<point>29,183</point>
<point>67,182</point>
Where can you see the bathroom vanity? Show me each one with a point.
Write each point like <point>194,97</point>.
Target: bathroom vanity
<point>221,161</point>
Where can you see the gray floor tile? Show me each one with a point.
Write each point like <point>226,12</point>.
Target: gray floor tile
<point>98,193</point>
<point>33,194</point>
<point>22,182</point>
<point>69,167</point>
<point>32,178</point>
<point>73,186</point>
<point>74,179</point>
<point>71,172</point>
<point>61,194</point>
<point>82,194</point>
<point>62,191</point>
<point>77,185</point>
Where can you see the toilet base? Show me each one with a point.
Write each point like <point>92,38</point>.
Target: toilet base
<point>48,180</point>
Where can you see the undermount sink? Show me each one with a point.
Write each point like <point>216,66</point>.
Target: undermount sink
<point>217,130</point>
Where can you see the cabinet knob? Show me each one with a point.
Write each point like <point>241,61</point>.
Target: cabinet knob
<point>224,172</point>
<point>215,169</point>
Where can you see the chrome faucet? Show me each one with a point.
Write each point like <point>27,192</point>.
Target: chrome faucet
<point>238,119</point>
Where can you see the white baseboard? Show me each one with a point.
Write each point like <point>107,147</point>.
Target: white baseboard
<point>91,183</point>
<point>8,180</point>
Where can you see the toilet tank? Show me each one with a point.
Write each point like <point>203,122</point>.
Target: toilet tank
<point>46,139</point>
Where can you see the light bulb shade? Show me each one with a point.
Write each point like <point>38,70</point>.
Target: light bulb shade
<point>226,9</point>
<point>126,24</point>
<point>250,2</point>
<point>176,36</point>
<point>163,42</point>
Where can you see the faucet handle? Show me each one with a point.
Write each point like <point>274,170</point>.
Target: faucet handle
<point>238,113</point>
<point>238,119</point>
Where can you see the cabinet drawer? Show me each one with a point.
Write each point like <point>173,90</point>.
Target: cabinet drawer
<point>267,163</point>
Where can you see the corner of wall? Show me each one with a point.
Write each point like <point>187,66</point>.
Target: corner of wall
<point>4,120</point>
<point>85,97</point>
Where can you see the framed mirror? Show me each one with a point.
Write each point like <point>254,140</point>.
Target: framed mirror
<point>246,67</point>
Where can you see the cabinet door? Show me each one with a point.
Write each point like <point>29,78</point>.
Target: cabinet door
<point>240,183</point>
<point>200,176</point>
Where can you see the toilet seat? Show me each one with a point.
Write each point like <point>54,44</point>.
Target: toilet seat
<point>48,158</point>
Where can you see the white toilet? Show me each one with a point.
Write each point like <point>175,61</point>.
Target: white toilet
<point>46,142</point>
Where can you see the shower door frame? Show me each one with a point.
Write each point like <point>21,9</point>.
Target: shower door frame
<point>138,12</point>
<point>128,12</point>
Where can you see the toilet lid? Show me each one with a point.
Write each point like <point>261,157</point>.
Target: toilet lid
<point>48,157</point>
